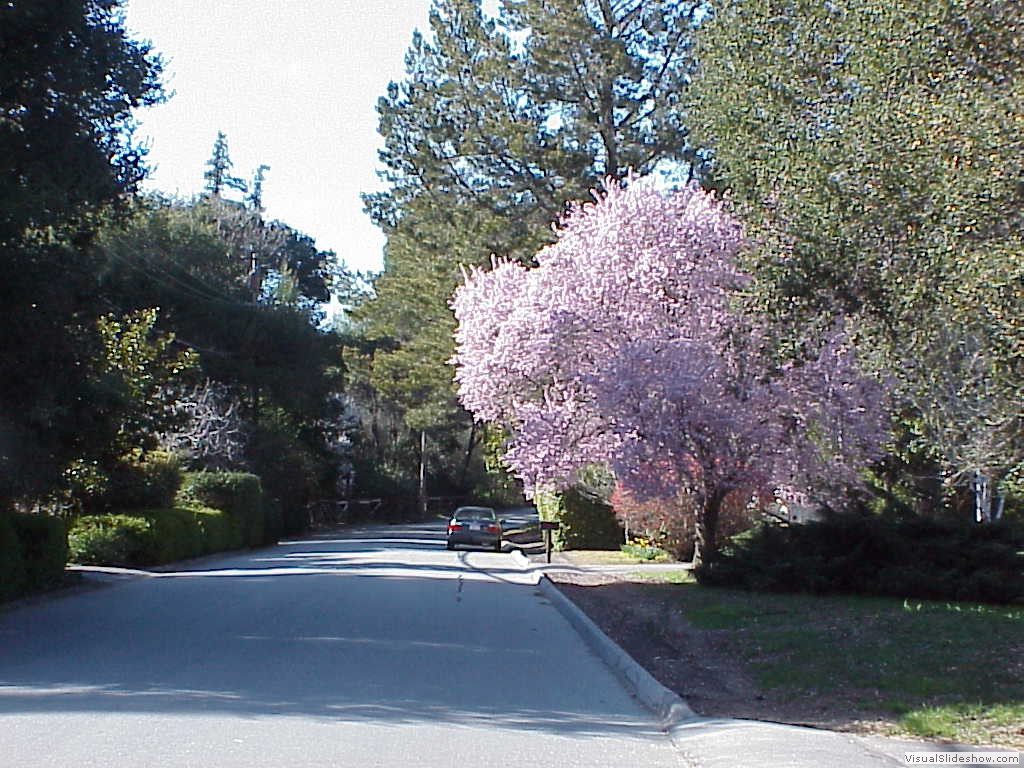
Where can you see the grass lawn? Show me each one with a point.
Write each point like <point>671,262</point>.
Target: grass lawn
<point>936,670</point>
<point>610,557</point>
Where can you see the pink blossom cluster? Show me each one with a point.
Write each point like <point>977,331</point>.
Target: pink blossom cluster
<point>621,347</point>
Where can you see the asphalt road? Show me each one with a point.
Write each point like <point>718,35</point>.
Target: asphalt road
<point>375,647</point>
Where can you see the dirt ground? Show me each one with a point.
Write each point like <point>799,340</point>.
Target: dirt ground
<point>697,663</point>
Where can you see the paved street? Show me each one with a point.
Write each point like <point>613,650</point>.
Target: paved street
<point>372,648</point>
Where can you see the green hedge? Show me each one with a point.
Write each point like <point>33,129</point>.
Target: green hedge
<point>151,537</point>
<point>587,522</point>
<point>33,553</point>
<point>122,540</point>
<point>240,494</point>
<point>217,528</point>
<point>12,570</point>
<point>44,549</point>
<point>862,554</point>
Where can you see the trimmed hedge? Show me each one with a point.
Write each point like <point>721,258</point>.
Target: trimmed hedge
<point>916,558</point>
<point>240,494</point>
<point>12,571</point>
<point>44,549</point>
<point>217,529</point>
<point>33,553</point>
<point>151,537</point>
<point>123,540</point>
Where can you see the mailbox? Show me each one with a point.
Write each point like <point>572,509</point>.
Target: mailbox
<point>549,525</point>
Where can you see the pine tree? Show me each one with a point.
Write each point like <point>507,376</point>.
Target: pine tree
<point>218,176</point>
<point>499,123</point>
<point>255,195</point>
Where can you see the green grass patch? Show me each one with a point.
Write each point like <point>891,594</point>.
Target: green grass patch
<point>680,576</point>
<point>608,557</point>
<point>935,669</point>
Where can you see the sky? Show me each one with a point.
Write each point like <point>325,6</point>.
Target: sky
<point>293,84</point>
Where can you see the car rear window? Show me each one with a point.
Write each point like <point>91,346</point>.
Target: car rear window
<point>474,514</point>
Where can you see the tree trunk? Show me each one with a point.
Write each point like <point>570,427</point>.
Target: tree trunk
<point>470,445</point>
<point>706,547</point>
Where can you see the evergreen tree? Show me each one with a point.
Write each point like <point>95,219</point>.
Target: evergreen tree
<point>255,195</point>
<point>218,174</point>
<point>499,123</point>
<point>69,80</point>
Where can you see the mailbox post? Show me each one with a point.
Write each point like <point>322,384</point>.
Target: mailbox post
<point>547,526</point>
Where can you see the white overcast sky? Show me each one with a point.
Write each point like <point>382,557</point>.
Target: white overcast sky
<point>293,84</point>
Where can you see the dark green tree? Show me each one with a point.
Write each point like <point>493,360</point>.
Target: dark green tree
<point>218,168</point>
<point>255,195</point>
<point>876,151</point>
<point>69,80</point>
<point>498,124</point>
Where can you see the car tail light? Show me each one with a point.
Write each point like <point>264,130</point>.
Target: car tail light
<point>493,528</point>
<point>454,527</point>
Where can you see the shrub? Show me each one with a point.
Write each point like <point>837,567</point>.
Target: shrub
<point>240,494</point>
<point>151,482</point>
<point>124,540</point>
<point>587,522</point>
<point>218,530</point>
<point>12,571</point>
<point>273,521</point>
<point>289,470</point>
<point>44,549</point>
<point>915,557</point>
<point>672,523</point>
<point>152,536</point>
<point>177,534</point>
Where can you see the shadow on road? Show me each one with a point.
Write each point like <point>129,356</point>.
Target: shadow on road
<point>372,625</point>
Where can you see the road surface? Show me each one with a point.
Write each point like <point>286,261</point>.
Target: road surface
<point>373,647</point>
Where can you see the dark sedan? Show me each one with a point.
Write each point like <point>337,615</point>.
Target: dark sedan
<point>478,526</point>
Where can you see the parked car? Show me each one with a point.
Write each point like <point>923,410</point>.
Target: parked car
<point>478,526</point>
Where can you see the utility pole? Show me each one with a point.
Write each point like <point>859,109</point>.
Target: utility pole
<point>423,474</point>
<point>254,281</point>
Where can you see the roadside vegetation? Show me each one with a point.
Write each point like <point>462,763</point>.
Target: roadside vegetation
<point>746,289</point>
<point>920,661</point>
<point>926,669</point>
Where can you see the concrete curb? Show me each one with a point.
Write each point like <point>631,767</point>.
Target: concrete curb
<point>669,708</point>
<point>667,705</point>
<point>712,742</point>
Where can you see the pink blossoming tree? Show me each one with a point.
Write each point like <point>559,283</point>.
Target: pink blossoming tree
<point>621,348</point>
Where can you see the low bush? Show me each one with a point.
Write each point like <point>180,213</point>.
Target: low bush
<point>151,537</point>
<point>121,540</point>
<point>44,549</point>
<point>12,570</point>
<point>150,483</point>
<point>218,530</point>
<point>863,554</point>
<point>177,534</point>
<point>586,521</point>
<point>273,521</point>
<point>289,470</point>
<point>240,494</point>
